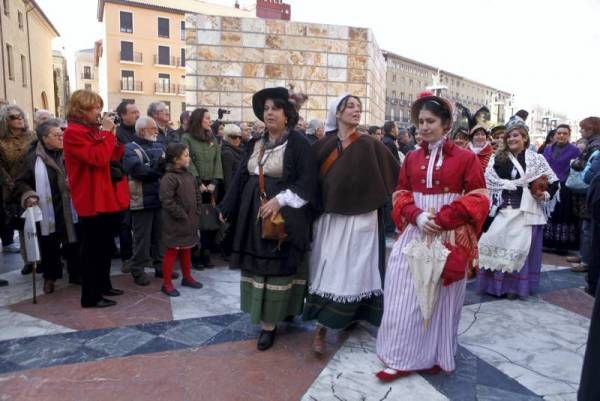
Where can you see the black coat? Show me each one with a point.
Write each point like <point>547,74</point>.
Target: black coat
<point>231,157</point>
<point>391,144</point>
<point>126,134</point>
<point>300,176</point>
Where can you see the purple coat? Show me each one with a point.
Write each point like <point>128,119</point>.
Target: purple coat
<point>562,163</point>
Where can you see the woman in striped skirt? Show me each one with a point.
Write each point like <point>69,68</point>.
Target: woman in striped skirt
<point>440,190</point>
<point>274,272</point>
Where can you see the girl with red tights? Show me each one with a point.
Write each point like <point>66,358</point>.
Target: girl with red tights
<point>180,200</point>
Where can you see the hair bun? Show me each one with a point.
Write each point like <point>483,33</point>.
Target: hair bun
<point>297,98</point>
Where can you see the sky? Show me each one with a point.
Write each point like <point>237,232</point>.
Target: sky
<point>546,52</point>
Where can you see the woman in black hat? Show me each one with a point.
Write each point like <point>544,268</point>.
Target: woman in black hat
<point>274,273</point>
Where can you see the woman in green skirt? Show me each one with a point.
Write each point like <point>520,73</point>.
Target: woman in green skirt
<point>273,282</point>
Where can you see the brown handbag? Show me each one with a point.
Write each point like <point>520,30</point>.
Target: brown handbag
<point>272,228</point>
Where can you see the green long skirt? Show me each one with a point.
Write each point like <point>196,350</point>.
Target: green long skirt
<point>272,298</point>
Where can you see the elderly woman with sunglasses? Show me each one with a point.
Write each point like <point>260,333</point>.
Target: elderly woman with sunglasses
<point>15,142</point>
<point>43,182</point>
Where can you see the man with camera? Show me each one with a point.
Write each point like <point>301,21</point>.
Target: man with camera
<point>127,115</point>
<point>144,162</point>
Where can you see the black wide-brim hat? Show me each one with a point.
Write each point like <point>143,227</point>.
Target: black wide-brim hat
<point>260,97</point>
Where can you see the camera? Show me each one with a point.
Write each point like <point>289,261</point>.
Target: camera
<point>221,112</point>
<point>116,119</point>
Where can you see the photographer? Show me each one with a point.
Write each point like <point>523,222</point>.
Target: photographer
<point>127,115</point>
<point>144,163</point>
<point>98,190</point>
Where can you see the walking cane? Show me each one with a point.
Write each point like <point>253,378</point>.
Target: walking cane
<point>33,275</point>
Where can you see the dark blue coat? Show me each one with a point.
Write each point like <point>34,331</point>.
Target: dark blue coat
<point>144,164</point>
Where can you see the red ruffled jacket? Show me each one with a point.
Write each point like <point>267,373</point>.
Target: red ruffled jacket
<point>87,153</point>
<point>460,173</point>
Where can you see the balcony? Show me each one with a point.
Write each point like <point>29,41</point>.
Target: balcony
<point>169,89</point>
<point>87,76</point>
<point>131,57</point>
<point>168,61</point>
<point>131,86</point>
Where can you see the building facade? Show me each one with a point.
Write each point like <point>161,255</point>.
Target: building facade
<point>86,70</point>
<point>231,58</point>
<point>541,120</point>
<point>406,78</point>
<point>26,36</point>
<point>143,51</point>
<point>62,86</point>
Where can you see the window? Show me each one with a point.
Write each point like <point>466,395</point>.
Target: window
<point>11,62</point>
<point>164,83</point>
<point>87,72</point>
<point>168,104</point>
<point>20,19</point>
<point>24,69</point>
<point>163,27</point>
<point>88,87</point>
<point>127,51</point>
<point>164,55</point>
<point>394,78</point>
<point>128,100</point>
<point>126,23</point>
<point>6,7</point>
<point>394,94</point>
<point>182,57</point>
<point>127,80</point>
<point>182,107</point>
<point>182,30</point>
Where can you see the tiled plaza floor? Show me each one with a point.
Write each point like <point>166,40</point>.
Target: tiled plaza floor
<point>201,347</point>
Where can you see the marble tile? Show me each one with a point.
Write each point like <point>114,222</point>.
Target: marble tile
<point>231,84</point>
<point>350,375</point>
<point>338,32</point>
<point>206,53</point>
<point>253,25</point>
<point>253,40</point>
<point>230,23</point>
<point>212,22</point>
<point>319,30</point>
<point>337,60</point>
<point>252,85</point>
<point>231,54</point>
<point>276,71</point>
<point>485,393</point>
<point>573,299</point>
<point>120,342</point>
<point>19,325</point>
<point>273,41</point>
<point>275,26</point>
<point>253,55</point>
<point>358,34</point>
<point>538,344</point>
<point>295,28</point>
<point>253,70</point>
<point>275,56</point>
<point>208,37</point>
<point>231,38</point>
<point>550,268</point>
<point>219,296</point>
<point>337,74</point>
<point>231,99</point>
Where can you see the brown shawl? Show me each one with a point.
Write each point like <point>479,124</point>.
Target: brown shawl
<point>361,180</point>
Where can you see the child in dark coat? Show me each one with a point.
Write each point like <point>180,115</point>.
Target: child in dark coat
<point>180,200</point>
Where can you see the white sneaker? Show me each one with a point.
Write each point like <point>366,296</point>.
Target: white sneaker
<point>12,248</point>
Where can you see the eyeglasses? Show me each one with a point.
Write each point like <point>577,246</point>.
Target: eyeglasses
<point>15,116</point>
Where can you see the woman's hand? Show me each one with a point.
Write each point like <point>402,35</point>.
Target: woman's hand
<point>203,188</point>
<point>108,124</point>
<point>430,227</point>
<point>211,188</point>
<point>222,219</point>
<point>31,201</point>
<point>269,209</point>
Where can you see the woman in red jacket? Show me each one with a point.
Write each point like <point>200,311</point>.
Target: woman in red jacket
<point>98,189</point>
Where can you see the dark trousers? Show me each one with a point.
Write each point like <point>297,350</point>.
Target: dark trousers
<point>73,256</point>
<point>147,246</point>
<point>125,235</point>
<point>97,243</point>
<point>7,231</point>
<point>589,387</point>
<point>389,225</point>
<point>51,263</point>
<point>594,264</point>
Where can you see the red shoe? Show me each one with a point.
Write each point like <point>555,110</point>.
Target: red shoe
<point>388,377</point>
<point>432,371</point>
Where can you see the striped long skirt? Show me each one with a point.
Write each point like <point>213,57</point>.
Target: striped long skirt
<point>404,342</point>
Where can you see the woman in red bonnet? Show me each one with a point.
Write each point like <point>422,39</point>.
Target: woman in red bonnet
<point>440,195</point>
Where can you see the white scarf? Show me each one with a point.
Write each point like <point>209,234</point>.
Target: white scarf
<point>536,212</point>
<point>42,188</point>
<point>477,149</point>
<point>434,148</point>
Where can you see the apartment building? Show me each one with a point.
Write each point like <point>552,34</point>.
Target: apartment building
<point>62,85</point>
<point>26,36</point>
<point>406,78</point>
<point>86,70</point>
<point>142,54</point>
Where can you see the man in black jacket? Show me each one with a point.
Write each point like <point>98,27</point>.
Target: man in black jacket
<point>390,135</point>
<point>128,113</point>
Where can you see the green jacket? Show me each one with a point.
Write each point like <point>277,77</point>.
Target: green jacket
<point>206,158</point>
